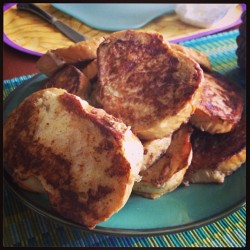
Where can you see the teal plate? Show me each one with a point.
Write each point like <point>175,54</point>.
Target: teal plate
<point>183,209</point>
<point>115,16</point>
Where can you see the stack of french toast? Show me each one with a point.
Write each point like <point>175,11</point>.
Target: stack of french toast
<point>125,113</point>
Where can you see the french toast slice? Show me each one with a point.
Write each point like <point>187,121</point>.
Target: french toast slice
<point>85,159</point>
<point>216,156</point>
<point>90,71</point>
<point>147,84</point>
<point>153,150</point>
<point>79,81</point>
<point>80,53</point>
<point>71,79</point>
<point>167,173</point>
<point>220,106</point>
<point>198,56</point>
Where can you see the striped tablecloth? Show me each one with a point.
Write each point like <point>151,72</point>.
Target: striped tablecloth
<point>24,227</point>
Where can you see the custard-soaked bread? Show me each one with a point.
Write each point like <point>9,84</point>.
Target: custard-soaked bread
<point>71,79</point>
<point>167,173</point>
<point>198,56</point>
<point>90,71</point>
<point>220,106</point>
<point>82,52</point>
<point>153,150</point>
<point>144,82</point>
<point>216,156</point>
<point>85,159</point>
<point>78,82</point>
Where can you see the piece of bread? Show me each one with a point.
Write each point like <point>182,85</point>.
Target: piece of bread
<point>71,79</point>
<point>220,106</point>
<point>147,84</point>
<point>78,81</point>
<point>153,150</point>
<point>167,173</point>
<point>216,156</point>
<point>198,56</point>
<point>91,71</point>
<point>79,53</point>
<point>85,159</point>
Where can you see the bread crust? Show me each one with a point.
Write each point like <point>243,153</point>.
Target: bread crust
<point>146,83</point>
<point>86,160</point>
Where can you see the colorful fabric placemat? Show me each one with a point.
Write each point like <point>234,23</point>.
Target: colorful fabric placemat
<point>24,227</point>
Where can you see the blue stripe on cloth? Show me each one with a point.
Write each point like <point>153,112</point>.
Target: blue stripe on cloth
<point>11,84</point>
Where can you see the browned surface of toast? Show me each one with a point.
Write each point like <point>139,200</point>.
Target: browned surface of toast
<point>220,106</point>
<point>210,150</point>
<point>144,82</point>
<point>86,160</point>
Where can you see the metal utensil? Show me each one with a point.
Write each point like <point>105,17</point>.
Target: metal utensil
<point>62,27</point>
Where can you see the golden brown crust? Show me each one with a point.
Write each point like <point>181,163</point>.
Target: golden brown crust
<point>215,152</point>
<point>220,106</point>
<point>198,56</point>
<point>80,155</point>
<point>50,62</point>
<point>162,176</point>
<point>144,82</point>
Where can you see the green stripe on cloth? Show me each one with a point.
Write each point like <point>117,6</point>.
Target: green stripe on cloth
<point>24,227</point>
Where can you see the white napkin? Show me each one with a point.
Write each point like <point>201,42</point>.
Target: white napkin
<point>202,15</point>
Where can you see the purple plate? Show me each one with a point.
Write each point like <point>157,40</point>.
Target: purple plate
<point>197,35</point>
<point>11,43</point>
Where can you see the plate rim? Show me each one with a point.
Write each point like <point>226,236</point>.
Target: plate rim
<point>106,230</point>
<point>16,46</point>
<point>121,231</point>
